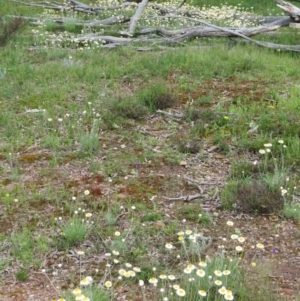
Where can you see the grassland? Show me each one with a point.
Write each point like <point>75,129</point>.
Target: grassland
<point>100,148</point>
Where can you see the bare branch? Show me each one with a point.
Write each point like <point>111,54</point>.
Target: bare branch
<point>188,198</point>
<point>137,16</point>
<point>290,9</point>
<point>164,36</point>
<point>176,116</point>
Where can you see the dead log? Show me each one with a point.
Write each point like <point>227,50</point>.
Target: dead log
<point>290,9</point>
<point>112,36</point>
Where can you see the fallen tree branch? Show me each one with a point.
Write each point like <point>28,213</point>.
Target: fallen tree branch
<point>44,5</point>
<point>137,16</point>
<point>188,198</point>
<point>171,115</point>
<point>247,32</point>
<point>290,9</point>
<point>114,36</point>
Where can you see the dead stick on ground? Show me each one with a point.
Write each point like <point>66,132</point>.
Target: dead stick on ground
<point>176,116</point>
<point>188,198</point>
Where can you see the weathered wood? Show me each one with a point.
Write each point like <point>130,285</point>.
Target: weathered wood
<point>198,28</point>
<point>290,9</point>
<point>295,25</point>
<point>137,15</point>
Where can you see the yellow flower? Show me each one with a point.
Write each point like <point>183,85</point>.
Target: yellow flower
<point>79,297</point>
<point>169,246</point>
<point>262,151</point>
<point>76,291</point>
<point>230,223</point>
<point>115,252</point>
<point>88,214</point>
<point>226,272</point>
<point>117,233</point>
<point>241,239</point>
<point>122,272</point>
<point>253,264</point>
<point>162,276</point>
<point>153,280</point>
<point>234,236</point>
<point>86,281</point>
<point>188,232</point>
<point>171,277</point>
<point>203,264</point>
<point>137,269</point>
<point>108,284</point>
<point>191,266</point>
<point>218,273</point>
<point>176,287</point>
<point>260,246</point>
<point>239,248</point>
<point>228,296</point>
<point>187,270</point>
<point>202,293</point>
<point>86,192</point>
<point>200,273</point>
<point>180,292</point>
<point>218,282</point>
<point>222,290</point>
<point>80,253</point>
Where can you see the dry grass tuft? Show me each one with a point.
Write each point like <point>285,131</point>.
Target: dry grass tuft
<point>164,101</point>
<point>9,29</point>
<point>188,146</point>
<point>257,197</point>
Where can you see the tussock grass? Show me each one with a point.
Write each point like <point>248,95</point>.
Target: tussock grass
<point>9,28</point>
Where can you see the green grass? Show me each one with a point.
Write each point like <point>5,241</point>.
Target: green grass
<point>23,246</point>
<point>73,233</point>
<point>96,143</point>
<point>22,275</point>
